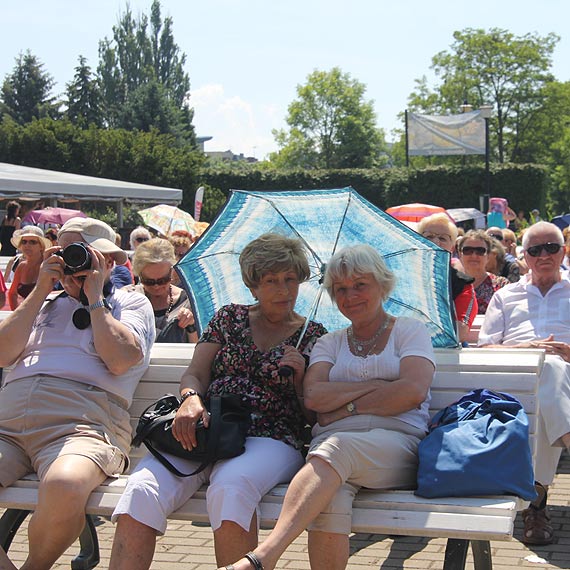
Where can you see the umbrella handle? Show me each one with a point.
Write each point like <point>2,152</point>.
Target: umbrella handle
<point>285,371</point>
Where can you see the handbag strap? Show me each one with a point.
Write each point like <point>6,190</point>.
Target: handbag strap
<point>214,431</point>
<point>168,464</point>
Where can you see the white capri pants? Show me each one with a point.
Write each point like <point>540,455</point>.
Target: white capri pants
<point>235,489</point>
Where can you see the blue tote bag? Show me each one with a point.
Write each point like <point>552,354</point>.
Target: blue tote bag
<point>477,446</point>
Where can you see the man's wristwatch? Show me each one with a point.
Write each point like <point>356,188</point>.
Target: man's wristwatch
<point>98,304</point>
<point>351,408</point>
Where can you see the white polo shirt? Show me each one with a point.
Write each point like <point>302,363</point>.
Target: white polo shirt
<point>520,313</point>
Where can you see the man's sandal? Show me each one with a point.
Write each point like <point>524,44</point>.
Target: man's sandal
<point>537,528</point>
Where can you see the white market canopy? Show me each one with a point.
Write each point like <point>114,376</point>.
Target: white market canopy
<point>25,182</point>
<point>464,214</point>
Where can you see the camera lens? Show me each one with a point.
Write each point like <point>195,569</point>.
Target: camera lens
<point>76,257</point>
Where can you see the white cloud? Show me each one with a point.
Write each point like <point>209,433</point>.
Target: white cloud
<point>234,123</point>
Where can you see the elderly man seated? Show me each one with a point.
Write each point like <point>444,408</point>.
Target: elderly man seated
<point>77,358</point>
<point>535,313</point>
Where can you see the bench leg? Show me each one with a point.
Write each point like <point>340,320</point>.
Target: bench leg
<point>482,555</point>
<point>10,522</point>
<point>88,557</point>
<point>456,554</point>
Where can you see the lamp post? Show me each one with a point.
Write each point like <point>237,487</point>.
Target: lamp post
<point>486,111</point>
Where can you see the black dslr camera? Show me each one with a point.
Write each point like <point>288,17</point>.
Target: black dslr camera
<point>76,257</point>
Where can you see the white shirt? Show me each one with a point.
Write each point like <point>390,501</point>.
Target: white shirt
<point>409,337</point>
<point>57,348</point>
<point>520,313</point>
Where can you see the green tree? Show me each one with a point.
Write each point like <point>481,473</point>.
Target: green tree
<point>83,97</point>
<point>492,67</point>
<point>331,125</point>
<point>142,65</point>
<point>26,92</point>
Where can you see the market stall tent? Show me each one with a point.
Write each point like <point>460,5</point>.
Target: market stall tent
<point>25,182</point>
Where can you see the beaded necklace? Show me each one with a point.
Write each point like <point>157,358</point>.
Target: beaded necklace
<point>363,348</point>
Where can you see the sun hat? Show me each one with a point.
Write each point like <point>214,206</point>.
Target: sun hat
<point>97,234</point>
<point>29,231</point>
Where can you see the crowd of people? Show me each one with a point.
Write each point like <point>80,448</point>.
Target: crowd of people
<point>78,340</point>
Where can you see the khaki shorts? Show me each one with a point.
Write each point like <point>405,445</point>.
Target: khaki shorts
<point>43,418</point>
<point>382,454</point>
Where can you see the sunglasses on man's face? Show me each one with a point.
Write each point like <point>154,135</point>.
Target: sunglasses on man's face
<point>160,281</point>
<point>470,250</point>
<point>550,248</point>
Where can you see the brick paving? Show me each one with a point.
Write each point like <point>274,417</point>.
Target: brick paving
<point>190,546</point>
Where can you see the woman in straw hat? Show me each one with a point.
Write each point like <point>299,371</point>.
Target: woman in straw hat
<point>31,241</point>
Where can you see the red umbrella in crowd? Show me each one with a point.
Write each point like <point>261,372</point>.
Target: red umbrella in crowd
<point>52,216</point>
<point>415,212</point>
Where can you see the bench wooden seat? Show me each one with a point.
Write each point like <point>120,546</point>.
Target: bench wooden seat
<point>463,521</point>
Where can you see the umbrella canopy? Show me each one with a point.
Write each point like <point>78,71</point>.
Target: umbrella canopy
<point>562,221</point>
<point>52,216</point>
<point>167,219</point>
<point>326,221</point>
<point>415,212</point>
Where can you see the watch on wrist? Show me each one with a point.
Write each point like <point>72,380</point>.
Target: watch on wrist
<point>189,393</point>
<point>191,328</point>
<point>351,408</point>
<point>98,304</point>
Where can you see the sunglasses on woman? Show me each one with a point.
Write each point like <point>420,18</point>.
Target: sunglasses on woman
<point>24,241</point>
<point>141,239</point>
<point>160,281</point>
<point>470,250</point>
<point>550,248</point>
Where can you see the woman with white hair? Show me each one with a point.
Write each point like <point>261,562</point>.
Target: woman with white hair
<point>370,386</point>
<point>139,235</point>
<point>32,243</point>
<point>439,229</point>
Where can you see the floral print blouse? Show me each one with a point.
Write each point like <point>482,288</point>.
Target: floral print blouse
<point>241,368</point>
<point>486,290</point>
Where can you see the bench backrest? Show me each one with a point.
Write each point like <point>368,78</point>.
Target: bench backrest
<point>458,371</point>
<point>505,370</point>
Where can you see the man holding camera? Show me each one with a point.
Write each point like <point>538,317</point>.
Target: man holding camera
<point>77,358</point>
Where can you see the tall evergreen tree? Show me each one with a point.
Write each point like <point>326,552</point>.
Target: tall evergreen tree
<point>83,97</point>
<point>26,92</point>
<point>143,63</point>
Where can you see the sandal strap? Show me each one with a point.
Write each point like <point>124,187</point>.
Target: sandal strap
<point>255,561</point>
<point>542,505</point>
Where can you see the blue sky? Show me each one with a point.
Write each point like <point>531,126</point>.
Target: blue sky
<point>245,58</point>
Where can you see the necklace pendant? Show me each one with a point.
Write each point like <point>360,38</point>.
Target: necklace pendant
<point>359,347</point>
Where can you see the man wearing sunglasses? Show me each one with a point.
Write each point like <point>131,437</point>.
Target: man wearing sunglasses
<point>77,358</point>
<point>535,313</point>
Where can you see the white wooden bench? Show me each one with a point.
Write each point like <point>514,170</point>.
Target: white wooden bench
<point>463,521</point>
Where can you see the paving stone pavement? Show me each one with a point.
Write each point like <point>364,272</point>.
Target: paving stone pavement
<point>190,546</point>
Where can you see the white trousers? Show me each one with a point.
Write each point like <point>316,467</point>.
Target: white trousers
<point>554,400</point>
<point>236,486</point>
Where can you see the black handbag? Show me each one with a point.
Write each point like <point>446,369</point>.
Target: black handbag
<point>224,438</point>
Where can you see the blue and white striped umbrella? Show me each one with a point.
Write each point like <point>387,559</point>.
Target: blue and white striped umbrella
<point>326,221</point>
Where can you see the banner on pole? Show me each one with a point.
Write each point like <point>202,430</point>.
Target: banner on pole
<point>198,199</point>
<point>431,135</point>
